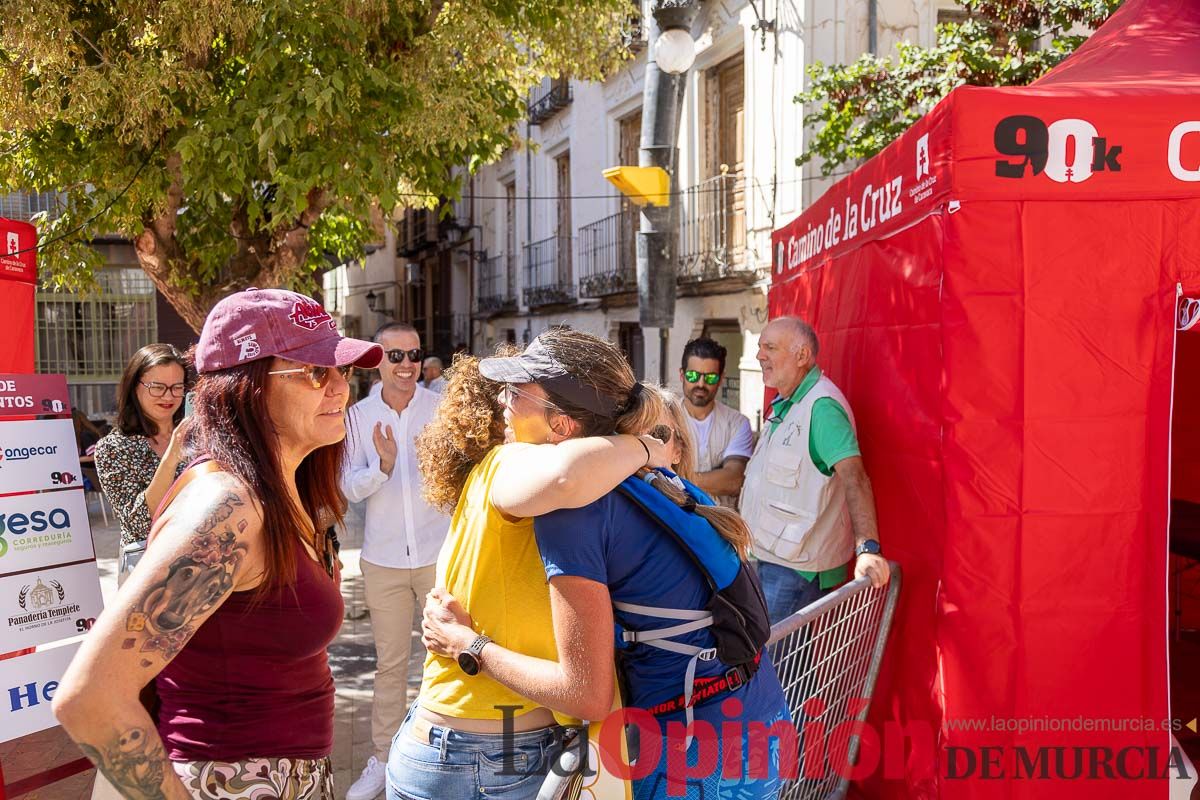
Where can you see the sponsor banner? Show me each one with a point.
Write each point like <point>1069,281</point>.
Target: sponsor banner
<point>18,251</point>
<point>27,685</point>
<point>1044,145</point>
<point>907,181</point>
<point>42,530</point>
<point>37,455</point>
<point>29,395</point>
<point>47,605</point>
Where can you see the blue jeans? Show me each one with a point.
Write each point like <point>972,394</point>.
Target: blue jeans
<point>452,764</point>
<point>714,786</point>
<point>786,590</point>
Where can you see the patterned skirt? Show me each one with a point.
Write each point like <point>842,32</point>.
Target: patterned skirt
<point>258,779</point>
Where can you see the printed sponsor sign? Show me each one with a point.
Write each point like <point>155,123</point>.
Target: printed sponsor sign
<point>46,605</point>
<point>44,529</point>
<point>18,251</point>
<point>27,685</point>
<point>29,395</point>
<point>37,455</point>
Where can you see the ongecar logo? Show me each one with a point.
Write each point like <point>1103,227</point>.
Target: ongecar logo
<point>26,453</point>
<point>40,521</point>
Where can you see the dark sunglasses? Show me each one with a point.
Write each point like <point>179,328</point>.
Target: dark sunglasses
<point>710,378</point>
<point>317,376</point>
<point>416,355</point>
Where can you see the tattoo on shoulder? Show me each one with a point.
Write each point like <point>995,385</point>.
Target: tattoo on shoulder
<point>194,582</point>
<point>134,763</point>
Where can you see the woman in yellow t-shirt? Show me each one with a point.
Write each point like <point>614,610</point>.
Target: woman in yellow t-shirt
<point>498,463</point>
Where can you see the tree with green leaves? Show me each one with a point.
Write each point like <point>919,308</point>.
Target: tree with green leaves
<point>243,142</point>
<point>858,109</point>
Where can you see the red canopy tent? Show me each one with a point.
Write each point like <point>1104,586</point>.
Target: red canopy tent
<point>996,294</point>
<point>18,280</point>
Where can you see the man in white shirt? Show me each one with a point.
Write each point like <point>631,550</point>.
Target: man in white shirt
<point>724,441</point>
<point>403,534</point>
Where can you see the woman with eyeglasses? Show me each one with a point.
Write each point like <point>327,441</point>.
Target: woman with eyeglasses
<point>672,429</point>
<point>139,459</point>
<point>237,598</point>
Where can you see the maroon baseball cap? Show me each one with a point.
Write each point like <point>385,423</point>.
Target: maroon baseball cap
<point>261,323</point>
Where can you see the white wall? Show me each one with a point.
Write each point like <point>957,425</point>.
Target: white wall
<point>831,31</point>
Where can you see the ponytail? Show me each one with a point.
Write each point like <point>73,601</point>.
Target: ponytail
<point>726,521</point>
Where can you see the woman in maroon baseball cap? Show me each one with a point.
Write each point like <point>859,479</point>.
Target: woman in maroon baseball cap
<point>237,597</point>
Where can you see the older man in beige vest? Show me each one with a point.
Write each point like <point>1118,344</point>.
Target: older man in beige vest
<point>723,437</point>
<point>806,497</point>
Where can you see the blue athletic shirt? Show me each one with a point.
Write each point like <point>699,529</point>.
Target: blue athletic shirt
<point>612,541</point>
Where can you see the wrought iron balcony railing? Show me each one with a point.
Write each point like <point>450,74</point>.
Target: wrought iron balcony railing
<point>607,256</point>
<point>713,231</point>
<point>548,272</point>
<point>550,102</point>
<point>494,293</point>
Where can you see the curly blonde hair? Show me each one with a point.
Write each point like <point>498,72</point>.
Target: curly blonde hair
<point>468,424</point>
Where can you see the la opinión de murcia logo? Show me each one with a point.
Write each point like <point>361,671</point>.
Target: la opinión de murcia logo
<point>249,346</point>
<point>309,315</point>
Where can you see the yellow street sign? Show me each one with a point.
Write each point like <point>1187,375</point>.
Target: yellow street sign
<point>642,185</point>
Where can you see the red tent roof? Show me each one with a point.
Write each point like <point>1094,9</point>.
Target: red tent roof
<point>1146,43</point>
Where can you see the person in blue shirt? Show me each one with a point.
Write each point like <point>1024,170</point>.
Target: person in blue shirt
<point>608,552</point>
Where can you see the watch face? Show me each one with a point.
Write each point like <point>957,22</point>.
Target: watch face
<point>468,662</point>
<point>869,546</point>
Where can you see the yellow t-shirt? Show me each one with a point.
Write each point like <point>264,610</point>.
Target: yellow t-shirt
<point>492,565</point>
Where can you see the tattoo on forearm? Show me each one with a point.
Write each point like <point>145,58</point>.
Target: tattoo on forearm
<point>193,584</point>
<point>134,763</point>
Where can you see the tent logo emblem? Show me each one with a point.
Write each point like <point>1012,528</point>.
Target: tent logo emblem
<point>14,243</point>
<point>1066,150</point>
<point>922,156</point>
<point>779,258</point>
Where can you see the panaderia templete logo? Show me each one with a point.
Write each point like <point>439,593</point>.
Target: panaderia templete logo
<point>43,604</point>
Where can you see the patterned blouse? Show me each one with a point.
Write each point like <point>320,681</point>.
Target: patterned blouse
<point>126,465</point>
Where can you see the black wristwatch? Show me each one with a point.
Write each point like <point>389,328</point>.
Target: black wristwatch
<point>868,546</point>
<point>468,660</point>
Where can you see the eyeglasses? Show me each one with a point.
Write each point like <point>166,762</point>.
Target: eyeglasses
<point>157,389</point>
<point>416,355</point>
<point>710,378</point>
<point>317,376</point>
<point>510,392</point>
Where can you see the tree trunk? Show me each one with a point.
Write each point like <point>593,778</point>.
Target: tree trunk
<point>264,259</point>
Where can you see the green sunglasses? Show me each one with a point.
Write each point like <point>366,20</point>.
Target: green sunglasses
<point>710,378</point>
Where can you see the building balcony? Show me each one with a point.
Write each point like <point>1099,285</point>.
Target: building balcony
<point>416,231</point>
<point>24,206</point>
<point>551,100</point>
<point>548,272</point>
<point>712,246</point>
<point>495,293</point>
<point>608,256</point>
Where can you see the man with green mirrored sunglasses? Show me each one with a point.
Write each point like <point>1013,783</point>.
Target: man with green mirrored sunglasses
<point>723,437</point>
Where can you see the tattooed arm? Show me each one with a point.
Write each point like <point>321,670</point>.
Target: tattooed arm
<point>209,545</point>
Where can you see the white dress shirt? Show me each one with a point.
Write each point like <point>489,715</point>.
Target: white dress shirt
<point>402,530</point>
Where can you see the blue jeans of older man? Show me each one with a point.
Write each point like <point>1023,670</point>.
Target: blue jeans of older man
<point>786,590</point>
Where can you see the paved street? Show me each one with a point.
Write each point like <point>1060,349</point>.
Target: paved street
<point>352,657</point>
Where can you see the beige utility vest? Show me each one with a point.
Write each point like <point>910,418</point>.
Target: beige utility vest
<point>797,514</point>
<point>723,425</point>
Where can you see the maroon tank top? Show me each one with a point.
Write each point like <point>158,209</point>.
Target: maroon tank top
<point>254,680</point>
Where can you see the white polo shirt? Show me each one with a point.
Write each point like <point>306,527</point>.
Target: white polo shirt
<point>402,530</point>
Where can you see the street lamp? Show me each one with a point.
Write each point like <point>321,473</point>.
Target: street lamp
<point>674,51</point>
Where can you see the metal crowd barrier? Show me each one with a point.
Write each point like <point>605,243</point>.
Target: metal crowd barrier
<point>831,650</point>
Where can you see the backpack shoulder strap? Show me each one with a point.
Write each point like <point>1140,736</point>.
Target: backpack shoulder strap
<point>635,497</point>
<point>201,466</point>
